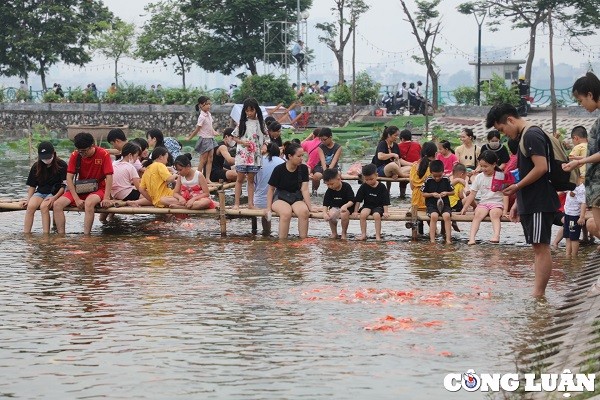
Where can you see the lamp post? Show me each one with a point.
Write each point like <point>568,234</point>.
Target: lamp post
<point>479,14</point>
<point>298,38</point>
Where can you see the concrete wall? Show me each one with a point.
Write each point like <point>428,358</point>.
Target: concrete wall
<point>17,118</point>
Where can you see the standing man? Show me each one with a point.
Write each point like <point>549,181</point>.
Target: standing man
<point>95,163</point>
<point>298,53</point>
<point>537,200</point>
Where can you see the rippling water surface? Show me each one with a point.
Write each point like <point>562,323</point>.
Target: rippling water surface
<point>146,309</point>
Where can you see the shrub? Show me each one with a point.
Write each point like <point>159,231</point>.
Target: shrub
<point>341,95</point>
<point>366,89</point>
<point>466,95</point>
<point>182,96</point>
<point>266,89</point>
<point>51,97</point>
<point>79,95</point>
<point>311,99</point>
<point>2,94</point>
<point>22,95</point>
<point>496,92</point>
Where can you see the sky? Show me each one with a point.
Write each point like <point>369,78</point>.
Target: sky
<point>384,41</point>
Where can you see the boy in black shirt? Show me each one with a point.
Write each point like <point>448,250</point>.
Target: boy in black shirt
<point>436,190</point>
<point>339,197</point>
<point>376,200</point>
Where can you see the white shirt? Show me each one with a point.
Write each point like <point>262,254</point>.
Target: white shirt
<point>483,186</point>
<point>573,203</point>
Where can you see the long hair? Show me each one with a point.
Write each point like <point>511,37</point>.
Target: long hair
<point>387,132</point>
<point>272,151</point>
<point>251,103</point>
<point>44,171</point>
<point>157,134</point>
<point>427,151</point>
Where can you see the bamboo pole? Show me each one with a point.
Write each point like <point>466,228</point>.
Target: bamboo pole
<point>222,215</point>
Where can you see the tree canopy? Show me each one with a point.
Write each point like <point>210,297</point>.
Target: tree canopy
<point>115,43</point>
<point>168,36</point>
<point>230,32</point>
<point>38,34</point>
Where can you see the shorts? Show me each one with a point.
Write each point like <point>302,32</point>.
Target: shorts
<point>571,229</point>
<point>247,169</point>
<point>134,195</point>
<point>373,210</point>
<point>433,209</point>
<point>218,174</point>
<point>334,214</point>
<point>490,206</point>
<point>68,195</point>
<point>380,171</point>
<point>537,227</point>
<point>458,206</point>
<point>558,219</point>
<point>42,195</point>
<point>204,145</point>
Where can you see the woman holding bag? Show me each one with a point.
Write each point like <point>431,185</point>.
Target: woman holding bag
<point>288,192</point>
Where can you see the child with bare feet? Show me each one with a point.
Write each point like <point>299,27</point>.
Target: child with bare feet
<point>375,198</point>
<point>191,189</point>
<point>492,203</point>
<point>436,190</point>
<point>339,197</point>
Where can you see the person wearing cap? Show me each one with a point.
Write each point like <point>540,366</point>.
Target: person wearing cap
<point>95,164</point>
<point>45,184</point>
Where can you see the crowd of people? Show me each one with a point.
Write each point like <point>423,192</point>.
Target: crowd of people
<point>493,180</point>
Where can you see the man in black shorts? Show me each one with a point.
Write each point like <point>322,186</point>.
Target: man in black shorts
<point>537,200</point>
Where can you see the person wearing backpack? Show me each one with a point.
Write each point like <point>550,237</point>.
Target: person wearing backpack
<point>537,200</point>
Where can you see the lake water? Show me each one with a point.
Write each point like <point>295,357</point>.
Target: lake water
<point>147,309</point>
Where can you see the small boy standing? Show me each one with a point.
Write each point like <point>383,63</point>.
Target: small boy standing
<point>574,219</point>
<point>339,197</point>
<point>579,151</point>
<point>376,200</point>
<point>436,190</point>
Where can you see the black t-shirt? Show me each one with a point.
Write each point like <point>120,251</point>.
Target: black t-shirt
<point>501,152</point>
<point>337,198</point>
<point>382,147</point>
<point>431,186</point>
<point>372,197</point>
<point>52,183</point>
<point>276,140</point>
<point>283,179</point>
<point>540,196</point>
<point>329,153</point>
<point>218,160</point>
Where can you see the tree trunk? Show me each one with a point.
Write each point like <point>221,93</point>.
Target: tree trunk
<point>117,72</point>
<point>531,55</point>
<point>252,68</point>
<point>43,75</point>
<point>183,74</point>
<point>434,90</point>
<point>339,55</point>
<point>552,90</point>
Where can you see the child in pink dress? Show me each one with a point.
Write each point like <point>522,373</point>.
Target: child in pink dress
<point>446,156</point>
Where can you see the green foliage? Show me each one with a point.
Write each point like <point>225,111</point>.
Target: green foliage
<point>366,89</point>
<point>79,95</point>
<point>311,99</point>
<point>267,89</point>
<point>2,95</point>
<point>495,91</point>
<point>115,43</point>
<point>168,36</point>
<point>438,134</point>
<point>22,95</point>
<point>466,95</point>
<point>182,96</point>
<point>51,97</point>
<point>39,34</point>
<point>230,32</point>
<point>341,95</point>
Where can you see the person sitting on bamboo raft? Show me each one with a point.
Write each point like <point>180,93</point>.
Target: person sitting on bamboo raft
<point>288,192</point>
<point>419,172</point>
<point>223,159</point>
<point>271,160</point>
<point>44,186</point>
<point>191,188</point>
<point>330,153</point>
<point>155,179</point>
<point>387,155</point>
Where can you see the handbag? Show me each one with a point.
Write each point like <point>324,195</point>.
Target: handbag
<point>83,186</point>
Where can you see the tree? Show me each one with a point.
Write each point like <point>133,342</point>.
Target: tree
<point>38,34</point>
<point>426,28</point>
<point>115,43</point>
<point>230,32</point>
<point>168,36</point>
<point>335,36</point>
<point>576,17</point>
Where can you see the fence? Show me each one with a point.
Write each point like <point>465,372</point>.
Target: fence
<point>541,97</point>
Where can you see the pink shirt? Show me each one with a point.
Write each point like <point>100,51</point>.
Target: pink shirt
<point>123,176</point>
<point>449,162</point>
<point>205,122</point>
<point>310,147</point>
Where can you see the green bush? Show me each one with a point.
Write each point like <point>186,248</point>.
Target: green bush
<point>22,95</point>
<point>366,89</point>
<point>182,96</point>
<point>341,95</point>
<point>51,97</point>
<point>311,99</point>
<point>79,95</point>
<point>2,94</point>
<point>266,89</point>
<point>495,92</point>
<point>466,95</point>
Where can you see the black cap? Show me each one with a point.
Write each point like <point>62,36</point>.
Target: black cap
<point>45,150</point>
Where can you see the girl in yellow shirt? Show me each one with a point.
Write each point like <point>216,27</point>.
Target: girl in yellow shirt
<point>420,171</point>
<point>154,181</point>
